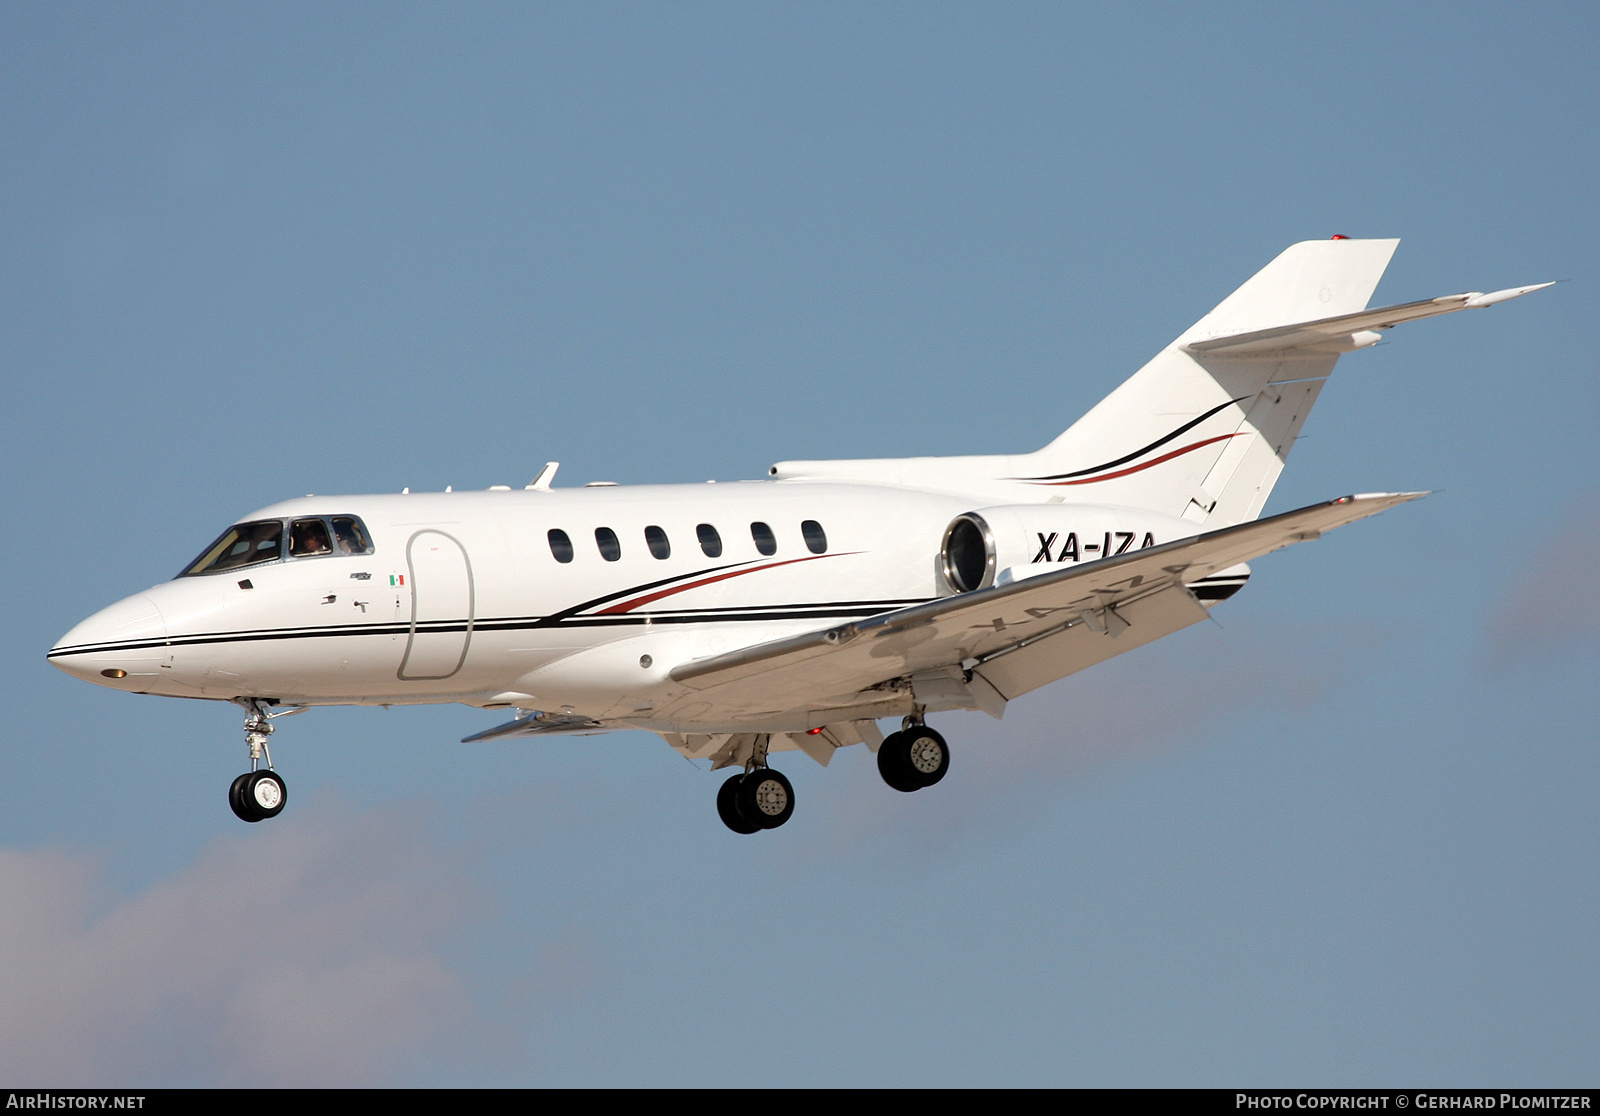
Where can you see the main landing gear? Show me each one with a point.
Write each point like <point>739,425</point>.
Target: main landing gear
<point>760,798</point>
<point>258,795</point>
<point>757,798</point>
<point>913,758</point>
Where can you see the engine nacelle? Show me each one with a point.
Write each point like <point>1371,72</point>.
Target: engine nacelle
<point>994,546</point>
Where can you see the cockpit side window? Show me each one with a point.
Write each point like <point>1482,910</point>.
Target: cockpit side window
<point>309,538</point>
<point>246,544</point>
<point>350,535</point>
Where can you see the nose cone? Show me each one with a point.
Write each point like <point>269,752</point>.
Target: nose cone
<point>122,646</point>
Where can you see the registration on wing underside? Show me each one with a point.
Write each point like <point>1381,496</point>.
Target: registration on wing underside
<point>1108,598</point>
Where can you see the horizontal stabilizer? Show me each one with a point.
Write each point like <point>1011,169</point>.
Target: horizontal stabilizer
<point>1345,332</point>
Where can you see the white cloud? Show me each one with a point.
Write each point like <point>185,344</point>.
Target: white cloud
<point>303,952</point>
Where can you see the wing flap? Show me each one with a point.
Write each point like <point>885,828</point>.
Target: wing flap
<point>1079,646</point>
<point>538,724</point>
<point>1105,598</point>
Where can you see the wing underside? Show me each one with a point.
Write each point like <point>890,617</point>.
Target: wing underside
<point>982,649</point>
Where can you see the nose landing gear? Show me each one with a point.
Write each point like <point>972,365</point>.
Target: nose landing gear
<point>259,795</point>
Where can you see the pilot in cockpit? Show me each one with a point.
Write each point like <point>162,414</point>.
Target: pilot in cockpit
<point>308,537</point>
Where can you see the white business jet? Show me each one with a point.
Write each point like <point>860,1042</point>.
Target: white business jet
<point>794,613</point>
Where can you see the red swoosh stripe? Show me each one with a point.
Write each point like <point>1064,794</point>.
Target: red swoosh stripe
<point>1147,464</point>
<point>628,606</point>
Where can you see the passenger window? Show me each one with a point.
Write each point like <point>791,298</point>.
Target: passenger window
<point>762,534</point>
<point>710,541</point>
<point>657,539</point>
<point>816,538</point>
<point>308,538</point>
<point>350,536</point>
<point>606,539</point>
<point>560,545</point>
<point>244,545</point>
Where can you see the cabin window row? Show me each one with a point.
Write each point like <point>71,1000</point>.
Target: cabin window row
<point>656,541</point>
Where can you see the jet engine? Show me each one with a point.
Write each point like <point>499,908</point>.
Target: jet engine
<point>995,546</point>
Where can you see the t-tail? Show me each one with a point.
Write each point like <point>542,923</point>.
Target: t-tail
<point>1203,430</point>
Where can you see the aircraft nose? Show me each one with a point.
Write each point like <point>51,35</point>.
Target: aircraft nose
<point>122,646</point>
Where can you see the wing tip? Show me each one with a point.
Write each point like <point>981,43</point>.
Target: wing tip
<point>1394,497</point>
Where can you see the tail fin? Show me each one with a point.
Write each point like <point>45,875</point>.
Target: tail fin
<point>1204,434</point>
<point>1201,431</point>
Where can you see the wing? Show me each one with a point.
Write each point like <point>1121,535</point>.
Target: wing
<point>1342,332</point>
<point>979,650</point>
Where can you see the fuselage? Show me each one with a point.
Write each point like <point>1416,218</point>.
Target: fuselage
<point>573,600</point>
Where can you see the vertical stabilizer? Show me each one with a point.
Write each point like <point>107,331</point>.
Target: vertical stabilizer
<point>1308,281</point>
<point>1203,434</point>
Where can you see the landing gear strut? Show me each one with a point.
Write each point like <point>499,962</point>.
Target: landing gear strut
<point>257,795</point>
<point>759,798</point>
<point>913,758</point>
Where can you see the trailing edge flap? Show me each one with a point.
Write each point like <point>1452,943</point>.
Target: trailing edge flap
<point>1335,334</point>
<point>971,628</point>
<point>538,724</point>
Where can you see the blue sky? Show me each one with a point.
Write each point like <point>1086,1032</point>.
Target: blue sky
<point>1345,835</point>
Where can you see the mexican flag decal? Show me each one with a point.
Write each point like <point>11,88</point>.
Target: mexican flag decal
<point>397,579</point>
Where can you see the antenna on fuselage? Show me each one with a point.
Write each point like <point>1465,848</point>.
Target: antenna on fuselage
<point>541,483</point>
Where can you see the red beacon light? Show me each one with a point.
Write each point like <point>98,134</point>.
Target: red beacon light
<point>1338,236</point>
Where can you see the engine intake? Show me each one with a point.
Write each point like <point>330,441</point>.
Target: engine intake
<point>994,546</point>
<point>968,553</point>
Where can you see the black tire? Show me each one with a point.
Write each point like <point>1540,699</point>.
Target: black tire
<point>264,795</point>
<point>728,807</point>
<point>765,798</point>
<point>894,763</point>
<point>927,755</point>
<point>236,801</point>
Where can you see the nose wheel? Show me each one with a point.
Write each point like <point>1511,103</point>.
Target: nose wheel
<point>258,795</point>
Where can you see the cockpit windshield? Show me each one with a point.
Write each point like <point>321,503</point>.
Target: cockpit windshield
<point>243,545</point>
<point>251,544</point>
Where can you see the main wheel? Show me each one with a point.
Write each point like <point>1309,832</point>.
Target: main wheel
<point>927,755</point>
<point>728,807</point>
<point>894,763</point>
<point>263,795</point>
<point>765,798</point>
<point>241,809</point>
